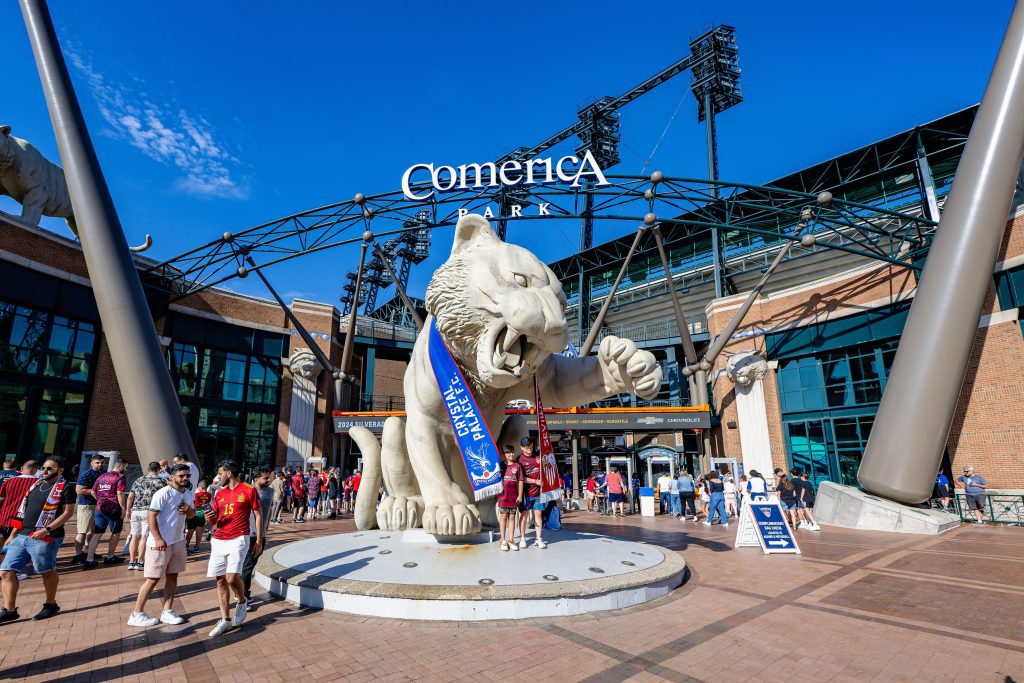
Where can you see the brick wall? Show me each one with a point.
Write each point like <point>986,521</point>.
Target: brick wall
<point>986,428</point>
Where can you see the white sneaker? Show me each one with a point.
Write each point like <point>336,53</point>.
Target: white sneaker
<point>801,525</point>
<point>540,544</point>
<point>513,546</point>
<point>240,612</point>
<point>706,523</point>
<point>142,620</point>
<point>726,525</point>
<point>814,527</point>
<point>169,616</point>
<point>223,626</point>
<point>522,544</point>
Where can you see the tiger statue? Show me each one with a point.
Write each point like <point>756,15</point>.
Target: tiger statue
<point>501,312</point>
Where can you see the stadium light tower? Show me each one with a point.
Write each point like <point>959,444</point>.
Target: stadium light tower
<point>715,83</point>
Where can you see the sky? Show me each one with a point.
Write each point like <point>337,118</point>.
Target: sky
<point>217,116</point>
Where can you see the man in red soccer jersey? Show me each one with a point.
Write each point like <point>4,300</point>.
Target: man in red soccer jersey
<point>230,512</point>
<point>531,504</point>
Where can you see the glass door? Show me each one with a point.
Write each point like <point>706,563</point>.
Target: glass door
<point>812,449</point>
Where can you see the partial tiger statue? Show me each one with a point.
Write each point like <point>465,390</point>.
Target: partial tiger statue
<point>502,313</point>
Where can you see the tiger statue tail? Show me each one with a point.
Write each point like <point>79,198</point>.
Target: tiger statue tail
<point>387,460</point>
<point>366,497</point>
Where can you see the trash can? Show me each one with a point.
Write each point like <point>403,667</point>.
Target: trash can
<point>646,501</point>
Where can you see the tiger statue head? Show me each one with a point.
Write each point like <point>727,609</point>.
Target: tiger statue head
<point>498,307</point>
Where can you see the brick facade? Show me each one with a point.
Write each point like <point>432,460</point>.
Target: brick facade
<point>107,424</point>
<point>986,427</point>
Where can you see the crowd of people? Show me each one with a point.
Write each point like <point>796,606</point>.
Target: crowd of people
<point>171,512</point>
<point>168,510</point>
<point>714,496</point>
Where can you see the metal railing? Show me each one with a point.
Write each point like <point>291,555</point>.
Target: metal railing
<point>648,331</point>
<point>380,402</point>
<point>1000,508</point>
<point>381,329</point>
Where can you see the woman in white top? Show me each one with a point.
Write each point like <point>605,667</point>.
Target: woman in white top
<point>757,486</point>
<point>730,497</point>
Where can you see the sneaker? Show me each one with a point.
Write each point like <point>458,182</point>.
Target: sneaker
<point>504,546</point>
<point>513,546</point>
<point>979,523</point>
<point>49,609</point>
<point>142,620</point>
<point>725,525</point>
<point>250,606</point>
<point>707,523</point>
<point>814,527</point>
<point>90,564</point>
<point>240,613</point>
<point>223,626</point>
<point>540,544</point>
<point>22,577</point>
<point>695,518</point>
<point>522,544</point>
<point>169,616</point>
<point>112,559</point>
<point>8,615</point>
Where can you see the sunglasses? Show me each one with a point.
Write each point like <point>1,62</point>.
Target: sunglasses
<point>49,469</point>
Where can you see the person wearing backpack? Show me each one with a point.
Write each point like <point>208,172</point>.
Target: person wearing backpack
<point>687,495</point>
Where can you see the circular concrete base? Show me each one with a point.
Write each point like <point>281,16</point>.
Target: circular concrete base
<point>412,575</point>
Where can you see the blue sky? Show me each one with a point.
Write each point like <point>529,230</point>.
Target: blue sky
<point>214,116</point>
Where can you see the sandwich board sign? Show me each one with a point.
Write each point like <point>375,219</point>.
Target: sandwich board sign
<point>764,524</point>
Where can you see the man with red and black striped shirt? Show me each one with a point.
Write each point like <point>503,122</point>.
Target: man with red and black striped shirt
<point>12,492</point>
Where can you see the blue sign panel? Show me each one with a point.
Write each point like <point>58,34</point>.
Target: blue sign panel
<point>772,530</point>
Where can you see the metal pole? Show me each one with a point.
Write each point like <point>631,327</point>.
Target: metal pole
<point>151,403</point>
<point>712,149</point>
<point>299,327</point>
<point>700,379</point>
<point>737,318</point>
<point>926,181</point>
<point>398,286</point>
<point>595,328</point>
<point>576,465</point>
<point>350,335</point>
<point>912,424</point>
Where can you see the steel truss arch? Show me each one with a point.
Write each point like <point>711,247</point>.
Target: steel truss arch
<point>750,218</point>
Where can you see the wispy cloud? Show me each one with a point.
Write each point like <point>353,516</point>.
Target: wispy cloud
<point>164,132</point>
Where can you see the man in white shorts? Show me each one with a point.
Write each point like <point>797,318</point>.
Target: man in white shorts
<point>231,507</point>
<point>165,553</point>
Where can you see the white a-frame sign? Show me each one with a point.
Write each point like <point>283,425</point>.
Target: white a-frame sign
<point>764,524</point>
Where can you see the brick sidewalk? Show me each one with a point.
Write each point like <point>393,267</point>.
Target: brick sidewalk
<point>854,607</point>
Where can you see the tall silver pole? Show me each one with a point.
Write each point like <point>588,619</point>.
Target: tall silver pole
<point>154,415</point>
<point>595,328</point>
<point>910,430</point>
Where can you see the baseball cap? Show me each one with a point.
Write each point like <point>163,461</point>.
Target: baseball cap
<point>526,441</point>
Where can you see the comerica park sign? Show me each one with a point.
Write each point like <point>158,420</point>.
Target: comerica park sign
<point>569,169</point>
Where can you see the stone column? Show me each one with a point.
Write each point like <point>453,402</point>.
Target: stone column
<point>747,371</point>
<point>304,368</point>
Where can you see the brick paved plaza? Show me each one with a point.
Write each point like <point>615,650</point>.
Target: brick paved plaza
<point>855,607</point>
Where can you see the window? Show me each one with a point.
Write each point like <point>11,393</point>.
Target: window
<point>46,366</point>
<point>71,349</point>
<point>22,331</point>
<point>13,401</point>
<point>228,379</point>
<point>264,380</point>
<point>184,366</point>
<point>58,426</point>
<point>223,375</point>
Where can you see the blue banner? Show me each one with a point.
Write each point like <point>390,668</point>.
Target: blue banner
<point>479,453</point>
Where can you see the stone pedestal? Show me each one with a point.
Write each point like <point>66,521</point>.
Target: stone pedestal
<point>411,575</point>
<point>849,507</point>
